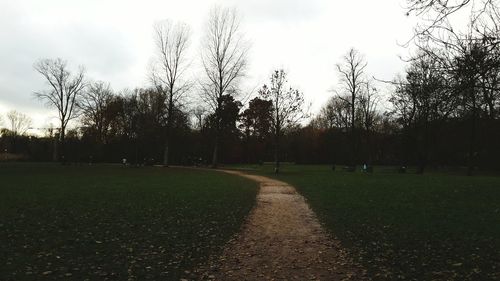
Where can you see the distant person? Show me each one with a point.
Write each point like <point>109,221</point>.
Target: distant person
<point>124,161</point>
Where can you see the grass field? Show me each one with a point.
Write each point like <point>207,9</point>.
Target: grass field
<point>407,226</point>
<point>113,222</point>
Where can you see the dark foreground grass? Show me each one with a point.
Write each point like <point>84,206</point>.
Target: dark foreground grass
<point>114,223</point>
<point>407,226</point>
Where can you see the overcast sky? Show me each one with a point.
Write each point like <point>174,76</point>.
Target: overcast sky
<point>114,41</point>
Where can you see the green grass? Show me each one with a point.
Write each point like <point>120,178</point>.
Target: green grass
<point>113,222</point>
<point>407,226</point>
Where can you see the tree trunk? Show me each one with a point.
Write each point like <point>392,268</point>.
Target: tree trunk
<point>217,135</point>
<point>166,152</point>
<point>406,142</point>
<point>55,152</point>
<point>277,136</point>
<point>472,137</point>
<point>277,154</point>
<point>353,145</point>
<point>423,149</point>
<point>247,146</point>
<point>166,156</point>
<point>137,152</point>
<point>62,147</point>
<point>215,153</point>
<point>369,147</point>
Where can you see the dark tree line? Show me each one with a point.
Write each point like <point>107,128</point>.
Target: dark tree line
<point>466,60</point>
<point>443,111</point>
<point>428,126</point>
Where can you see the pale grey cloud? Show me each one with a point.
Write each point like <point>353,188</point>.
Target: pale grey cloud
<point>283,11</point>
<point>105,51</point>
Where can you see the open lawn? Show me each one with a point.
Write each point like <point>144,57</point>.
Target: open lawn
<point>407,226</point>
<point>114,222</point>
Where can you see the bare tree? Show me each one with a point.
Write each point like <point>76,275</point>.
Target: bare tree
<point>93,104</point>
<point>287,111</point>
<point>335,114</point>
<point>199,113</point>
<point>367,102</point>
<point>352,82</point>
<point>224,57</point>
<point>64,90</point>
<point>19,122</point>
<point>167,75</point>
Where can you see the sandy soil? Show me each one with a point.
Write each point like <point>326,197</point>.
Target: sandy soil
<point>281,240</point>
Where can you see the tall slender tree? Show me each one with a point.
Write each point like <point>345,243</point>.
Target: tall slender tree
<point>368,114</point>
<point>352,82</point>
<point>224,57</point>
<point>287,108</point>
<point>168,71</point>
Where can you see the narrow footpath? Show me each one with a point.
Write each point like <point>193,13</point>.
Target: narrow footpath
<point>281,240</point>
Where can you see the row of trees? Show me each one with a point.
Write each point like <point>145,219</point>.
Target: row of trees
<point>16,123</point>
<point>224,59</point>
<point>450,85</point>
<point>443,111</point>
<point>453,77</point>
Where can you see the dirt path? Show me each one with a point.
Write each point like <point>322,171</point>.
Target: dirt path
<point>281,240</point>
